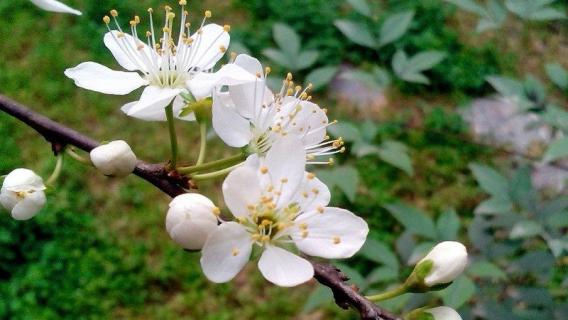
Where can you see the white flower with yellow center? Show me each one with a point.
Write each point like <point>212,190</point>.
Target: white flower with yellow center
<point>165,65</point>
<point>23,194</point>
<point>247,113</point>
<point>55,6</point>
<point>281,209</point>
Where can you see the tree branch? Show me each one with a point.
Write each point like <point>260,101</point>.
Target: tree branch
<point>173,184</point>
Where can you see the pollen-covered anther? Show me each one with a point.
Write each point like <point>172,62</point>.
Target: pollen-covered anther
<point>316,191</point>
<point>258,75</point>
<point>267,70</point>
<point>263,170</point>
<point>289,76</point>
<point>182,2</point>
<point>331,161</point>
<point>150,10</point>
<point>311,176</point>
<point>305,234</point>
<point>284,180</point>
<point>106,19</point>
<point>226,28</point>
<point>207,13</point>
<point>137,19</point>
<point>235,252</point>
<point>114,13</point>
<point>303,226</point>
<point>336,240</point>
<point>305,194</point>
<point>223,49</point>
<point>265,238</point>
<point>216,211</point>
<point>290,92</point>
<point>320,209</point>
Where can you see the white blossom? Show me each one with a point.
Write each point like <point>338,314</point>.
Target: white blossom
<point>444,313</point>
<point>279,207</point>
<point>163,64</point>
<point>191,219</point>
<point>249,114</point>
<point>55,6</point>
<point>114,158</point>
<point>23,194</point>
<point>449,259</point>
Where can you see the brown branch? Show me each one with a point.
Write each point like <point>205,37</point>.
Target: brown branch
<point>172,184</point>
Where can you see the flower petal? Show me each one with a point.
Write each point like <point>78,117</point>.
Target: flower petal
<point>285,163</point>
<point>207,46</point>
<point>308,117</point>
<point>96,77</point>
<point>157,114</point>
<point>153,99</point>
<point>55,6</point>
<point>284,268</point>
<point>29,206</point>
<point>203,84</point>
<point>241,188</point>
<point>124,48</point>
<point>233,129</point>
<point>226,252</point>
<point>250,64</point>
<point>312,194</point>
<point>335,233</point>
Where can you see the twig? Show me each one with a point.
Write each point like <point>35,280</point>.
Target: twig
<point>173,184</point>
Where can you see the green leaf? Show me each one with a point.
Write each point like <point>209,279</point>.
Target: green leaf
<point>493,18</point>
<point>357,32</point>
<point>558,246</point>
<point>361,6</point>
<point>490,180</point>
<point>346,130</point>
<point>468,5</point>
<point>486,270</point>
<point>494,205</point>
<point>526,229</point>
<point>380,253</point>
<point>396,156</point>
<point>279,57</point>
<point>409,69</point>
<point>426,60</point>
<point>319,297</point>
<point>521,189</point>
<point>557,150</point>
<point>448,225</point>
<point>413,219</point>
<point>459,292</point>
<point>547,14</point>
<point>306,59</point>
<point>320,77</point>
<point>395,26</point>
<point>346,178</point>
<point>558,75</point>
<point>506,86</point>
<point>382,274</point>
<point>286,38</point>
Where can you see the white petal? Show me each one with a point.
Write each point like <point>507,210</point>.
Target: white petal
<point>29,206</point>
<point>233,129</point>
<point>124,48</point>
<point>285,161</point>
<point>284,268</point>
<point>444,313</point>
<point>206,46</point>
<point>55,6</point>
<point>203,84</point>
<point>307,118</point>
<point>249,97</point>
<point>312,194</point>
<point>96,77</point>
<point>156,114</point>
<point>241,188</point>
<point>153,99</point>
<point>250,64</point>
<point>335,233</point>
<point>22,179</point>
<point>226,252</point>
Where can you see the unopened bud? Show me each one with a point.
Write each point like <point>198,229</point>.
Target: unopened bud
<point>114,158</point>
<point>22,194</point>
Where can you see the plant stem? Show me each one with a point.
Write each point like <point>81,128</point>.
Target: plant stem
<point>78,157</point>
<point>214,174</point>
<point>202,143</point>
<point>389,294</point>
<point>173,137</point>
<point>221,163</point>
<point>56,171</point>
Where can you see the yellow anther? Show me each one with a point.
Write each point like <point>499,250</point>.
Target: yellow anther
<point>132,22</point>
<point>166,30</point>
<point>289,76</point>
<point>171,15</point>
<point>255,237</point>
<point>303,226</point>
<point>265,239</point>
<point>320,209</point>
<point>258,75</point>
<point>250,207</point>
<point>290,92</point>
<point>303,96</point>
<point>342,150</point>
<point>226,28</point>
<point>150,10</point>
<point>267,70</point>
<point>233,55</point>
<point>114,13</point>
<point>235,252</point>
<point>223,49</point>
<point>284,180</point>
<point>188,24</point>
<point>137,19</point>
<point>305,234</point>
<point>305,194</point>
<point>207,14</point>
<point>336,240</point>
<point>263,170</point>
<point>311,175</point>
<point>140,47</point>
<point>182,2</point>
<point>310,85</point>
<point>298,88</point>
<point>265,222</point>
<point>331,161</point>
<point>324,110</point>
<point>106,19</point>
<point>216,211</point>
<point>316,191</point>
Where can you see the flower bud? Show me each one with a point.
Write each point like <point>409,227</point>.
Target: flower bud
<point>443,313</point>
<point>190,220</point>
<point>23,194</point>
<point>448,260</point>
<point>114,158</point>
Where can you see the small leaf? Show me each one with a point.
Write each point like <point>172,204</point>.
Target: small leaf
<point>357,32</point>
<point>413,219</point>
<point>346,178</point>
<point>361,6</point>
<point>409,69</point>
<point>490,180</point>
<point>380,253</point>
<point>459,292</point>
<point>286,38</point>
<point>396,157</point>
<point>486,270</point>
<point>468,5</point>
<point>557,150</point>
<point>306,59</point>
<point>525,229</point>
<point>382,274</point>
<point>279,58</point>
<point>319,297</point>
<point>346,130</point>
<point>506,86</point>
<point>448,225</point>
<point>558,75</point>
<point>494,205</point>
<point>426,60</point>
<point>395,26</point>
<point>320,77</point>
